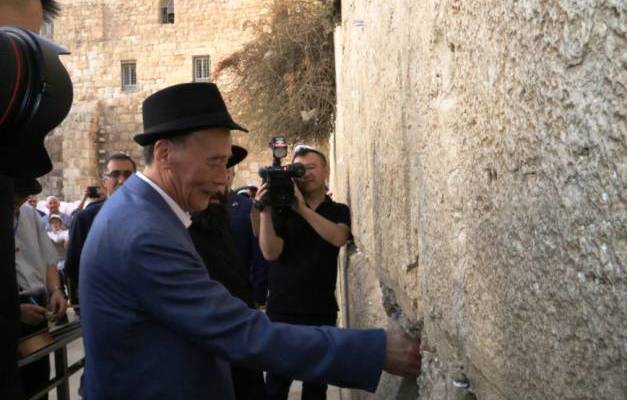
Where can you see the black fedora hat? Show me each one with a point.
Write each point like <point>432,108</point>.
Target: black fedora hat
<point>238,153</point>
<point>183,108</point>
<point>26,186</point>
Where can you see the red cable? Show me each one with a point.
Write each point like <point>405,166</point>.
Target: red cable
<point>18,59</point>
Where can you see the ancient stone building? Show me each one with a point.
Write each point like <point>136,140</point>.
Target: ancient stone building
<point>482,148</point>
<point>123,51</point>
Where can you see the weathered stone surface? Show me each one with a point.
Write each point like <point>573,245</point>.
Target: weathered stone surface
<point>481,146</point>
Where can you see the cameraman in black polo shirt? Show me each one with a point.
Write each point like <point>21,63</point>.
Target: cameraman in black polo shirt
<point>303,244</point>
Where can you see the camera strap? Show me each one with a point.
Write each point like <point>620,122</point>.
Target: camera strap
<point>18,79</point>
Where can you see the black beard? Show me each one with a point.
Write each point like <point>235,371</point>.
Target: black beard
<point>215,217</point>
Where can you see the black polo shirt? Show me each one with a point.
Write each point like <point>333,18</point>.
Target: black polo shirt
<point>303,279</point>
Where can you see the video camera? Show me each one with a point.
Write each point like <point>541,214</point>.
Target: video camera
<point>35,96</point>
<point>280,194</point>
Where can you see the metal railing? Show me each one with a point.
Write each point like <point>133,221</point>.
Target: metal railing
<point>62,338</point>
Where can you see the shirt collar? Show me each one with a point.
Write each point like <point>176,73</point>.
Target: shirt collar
<point>185,218</point>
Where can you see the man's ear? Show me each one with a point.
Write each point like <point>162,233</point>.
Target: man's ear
<point>162,151</point>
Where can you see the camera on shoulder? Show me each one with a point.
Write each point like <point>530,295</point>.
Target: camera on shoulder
<point>280,195</point>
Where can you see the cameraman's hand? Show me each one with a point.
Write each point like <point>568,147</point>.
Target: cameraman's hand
<point>402,355</point>
<point>299,205</point>
<point>32,314</point>
<point>261,193</point>
<point>270,244</point>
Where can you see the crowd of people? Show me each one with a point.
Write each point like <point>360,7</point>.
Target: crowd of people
<point>171,265</point>
<point>243,247</point>
<point>222,234</point>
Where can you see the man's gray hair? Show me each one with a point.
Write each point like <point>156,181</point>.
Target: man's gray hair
<point>149,149</point>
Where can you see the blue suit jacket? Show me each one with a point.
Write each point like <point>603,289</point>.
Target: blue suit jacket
<point>157,327</point>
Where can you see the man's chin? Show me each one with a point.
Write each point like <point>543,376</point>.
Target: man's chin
<point>307,188</point>
<point>199,206</point>
<point>207,201</point>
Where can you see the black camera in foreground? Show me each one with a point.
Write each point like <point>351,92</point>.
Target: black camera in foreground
<point>35,96</point>
<point>280,195</point>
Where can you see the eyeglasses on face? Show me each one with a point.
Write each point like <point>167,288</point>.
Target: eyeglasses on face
<point>115,174</point>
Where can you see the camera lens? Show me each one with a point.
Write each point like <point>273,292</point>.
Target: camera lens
<point>35,96</point>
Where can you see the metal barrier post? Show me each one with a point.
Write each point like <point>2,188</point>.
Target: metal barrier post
<point>62,338</point>
<point>60,367</point>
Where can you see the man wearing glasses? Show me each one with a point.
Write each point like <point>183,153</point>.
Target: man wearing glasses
<point>119,168</point>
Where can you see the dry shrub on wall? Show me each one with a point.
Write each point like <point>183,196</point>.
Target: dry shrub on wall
<point>283,81</point>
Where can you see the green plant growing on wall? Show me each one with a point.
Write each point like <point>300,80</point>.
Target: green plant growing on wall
<point>283,81</point>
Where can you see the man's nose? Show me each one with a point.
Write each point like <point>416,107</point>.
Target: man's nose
<point>221,177</point>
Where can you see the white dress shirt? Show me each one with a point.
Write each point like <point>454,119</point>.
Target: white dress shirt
<point>185,218</point>
<point>34,250</point>
<point>59,236</point>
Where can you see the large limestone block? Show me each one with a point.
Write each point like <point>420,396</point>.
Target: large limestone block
<point>484,161</point>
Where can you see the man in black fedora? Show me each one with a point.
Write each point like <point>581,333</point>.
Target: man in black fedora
<point>148,300</point>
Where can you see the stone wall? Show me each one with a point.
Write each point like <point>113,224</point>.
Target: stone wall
<point>481,146</point>
<point>103,33</point>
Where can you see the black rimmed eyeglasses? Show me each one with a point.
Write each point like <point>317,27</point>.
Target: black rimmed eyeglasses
<point>115,174</point>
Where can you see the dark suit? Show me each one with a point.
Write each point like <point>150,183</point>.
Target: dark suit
<point>239,207</point>
<point>212,237</point>
<point>81,224</point>
<point>156,327</point>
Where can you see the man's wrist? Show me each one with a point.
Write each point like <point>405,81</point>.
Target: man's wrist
<point>266,211</point>
<point>303,210</point>
<point>258,205</point>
